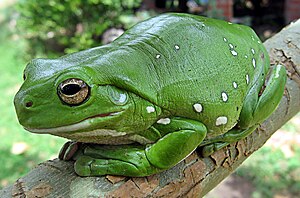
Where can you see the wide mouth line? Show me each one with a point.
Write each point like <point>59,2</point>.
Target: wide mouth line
<point>72,127</point>
<point>101,116</point>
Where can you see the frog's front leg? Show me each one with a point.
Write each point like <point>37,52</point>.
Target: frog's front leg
<point>179,138</point>
<point>256,109</point>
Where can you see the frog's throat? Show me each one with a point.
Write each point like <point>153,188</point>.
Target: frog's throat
<point>84,124</point>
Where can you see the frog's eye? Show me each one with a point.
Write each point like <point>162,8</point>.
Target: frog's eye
<point>73,91</point>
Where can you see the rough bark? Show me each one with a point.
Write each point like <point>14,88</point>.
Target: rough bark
<point>193,177</point>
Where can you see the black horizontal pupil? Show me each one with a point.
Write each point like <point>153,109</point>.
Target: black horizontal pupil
<point>71,89</point>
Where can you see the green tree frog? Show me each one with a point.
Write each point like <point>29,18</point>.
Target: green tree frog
<point>143,103</point>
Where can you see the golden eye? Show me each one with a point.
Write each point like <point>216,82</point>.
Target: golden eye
<point>73,91</point>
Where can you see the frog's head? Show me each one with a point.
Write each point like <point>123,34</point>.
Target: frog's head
<point>60,97</point>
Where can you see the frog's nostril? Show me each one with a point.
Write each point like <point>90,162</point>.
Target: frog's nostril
<point>29,104</point>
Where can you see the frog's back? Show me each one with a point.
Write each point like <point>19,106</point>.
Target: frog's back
<point>197,67</point>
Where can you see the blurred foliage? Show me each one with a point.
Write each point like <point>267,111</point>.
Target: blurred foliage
<point>68,26</point>
<point>130,20</point>
<point>272,173</point>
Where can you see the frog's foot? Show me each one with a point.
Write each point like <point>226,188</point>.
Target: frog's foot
<point>182,137</point>
<point>126,160</point>
<point>261,103</point>
<point>69,150</point>
<point>217,143</point>
<point>211,148</point>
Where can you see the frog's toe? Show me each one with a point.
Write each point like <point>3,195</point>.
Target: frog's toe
<point>211,148</point>
<point>89,166</point>
<point>207,150</point>
<point>82,165</point>
<point>67,152</point>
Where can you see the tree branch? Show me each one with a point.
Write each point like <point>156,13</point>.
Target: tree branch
<point>193,177</point>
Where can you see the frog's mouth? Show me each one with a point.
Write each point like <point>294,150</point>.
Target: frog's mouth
<point>81,125</point>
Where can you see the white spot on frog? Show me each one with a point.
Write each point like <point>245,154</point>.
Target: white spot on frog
<point>247,79</point>
<point>164,121</point>
<point>157,56</point>
<point>224,96</point>
<point>176,47</point>
<point>246,56</point>
<point>122,98</point>
<point>258,42</point>
<point>253,51</point>
<point>150,109</point>
<point>221,120</point>
<point>234,53</point>
<point>253,62</point>
<point>229,23</point>
<point>225,40</point>
<point>235,85</point>
<point>198,107</point>
<point>230,45</point>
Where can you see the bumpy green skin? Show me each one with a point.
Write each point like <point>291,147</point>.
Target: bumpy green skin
<point>175,82</point>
